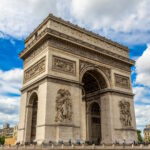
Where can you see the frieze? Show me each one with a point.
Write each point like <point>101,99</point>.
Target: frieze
<point>98,49</point>
<point>122,81</point>
<point>35,52</point>
<point>87,38</point>
<point>63,65</point>
<point>85,52</point>
<point>105,70</point>
<point>34,70</point>
<point>125,113</point>
<point>63,106</point>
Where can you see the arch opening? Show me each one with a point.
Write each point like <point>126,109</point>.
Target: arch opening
<point>33,101</point>
<point>95,123</point>
<point>93,81</point>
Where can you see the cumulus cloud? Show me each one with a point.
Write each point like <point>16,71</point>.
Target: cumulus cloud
<point>9,105</point>
<point>124,15</point>
<point>142,94</point>
<point>143,68</point>
<point>125,21</point>
<point>142,115</point>
<point>19,18</point>
<point>10,81</point>
<point>10,84</point>
<point>141,89</point>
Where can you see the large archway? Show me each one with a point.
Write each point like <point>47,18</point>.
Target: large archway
<point>95,122</point>
<point>32,117</point>
<point>93,82</point>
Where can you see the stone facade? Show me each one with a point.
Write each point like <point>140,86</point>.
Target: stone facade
<point>77,85</point>
<point>147,133</point>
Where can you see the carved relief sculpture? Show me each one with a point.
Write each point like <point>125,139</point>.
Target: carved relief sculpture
<point>63,106</point>
<point>64,65</point>
<point>34,70</point>
<point>125,114</point>
<point>122,81</point>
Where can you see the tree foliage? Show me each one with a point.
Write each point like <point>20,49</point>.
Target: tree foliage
<point>2,140</point>
<point>140,139</point>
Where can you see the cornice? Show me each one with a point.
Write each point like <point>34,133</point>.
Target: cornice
<point>53,33</point>
<point>76,83</point>
<point>85,31</point>
<point>114,91</point>
<point>109,90</point>
<point>48,77</point>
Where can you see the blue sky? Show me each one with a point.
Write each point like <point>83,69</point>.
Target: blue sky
<point>125,21</point>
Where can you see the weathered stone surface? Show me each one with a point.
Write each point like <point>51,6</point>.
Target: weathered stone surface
<point>81,84</point>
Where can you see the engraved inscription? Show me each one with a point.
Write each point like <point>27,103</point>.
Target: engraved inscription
<point>125,113</point>
<point>34,70</point>
<point>64,65</point>
<point>122,81</point>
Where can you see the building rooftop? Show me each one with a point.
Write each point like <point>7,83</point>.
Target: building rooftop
<point>147,128</point>
<point>51,16</point>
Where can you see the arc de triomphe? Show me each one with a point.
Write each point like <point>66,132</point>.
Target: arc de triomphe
<point>77,85</point>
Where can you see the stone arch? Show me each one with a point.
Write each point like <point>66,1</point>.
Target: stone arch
<point>30,97</point>
<point>98,70</point>
<point>89,107</point>
<point>93,80</point>
<point>31,117</point>
<point>94,120</point>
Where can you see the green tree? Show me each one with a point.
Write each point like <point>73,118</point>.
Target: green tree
<point>149,140</point>
<point>140,139</point>
<point>2,140</point>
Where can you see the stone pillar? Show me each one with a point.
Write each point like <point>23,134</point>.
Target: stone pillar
<point>28,123</point>
<point>41,113</point>
<point>21,126</point>
<point>83,120</point>
<point>106,118</point>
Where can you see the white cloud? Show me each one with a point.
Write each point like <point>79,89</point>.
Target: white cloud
<point>141,89</point>
<point>10,83</point>
<point>124,15</point>
<point>143,68</point>
<point>142,115</point>
<point>18,18</point>
<point>9,105</point>
<point>125,21</point>
<point>142,94</point>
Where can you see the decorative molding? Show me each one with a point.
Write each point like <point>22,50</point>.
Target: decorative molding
<point>63,106</point>
<point>29,92</point>
<point>63,65</point>
<point>87,53</point>
<point>93,48</point>
<point>125,113</point>
<point>78,32</point>
<point>35,70</point>
<point>122,81</point>
<point>87,38</point>
<point>106,71</point>
<point>35,52</point>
